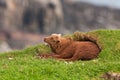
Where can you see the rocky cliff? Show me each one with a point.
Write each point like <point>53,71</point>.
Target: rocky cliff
<point>35,16</point>
<point>49,16</point>
<point>85,17</point>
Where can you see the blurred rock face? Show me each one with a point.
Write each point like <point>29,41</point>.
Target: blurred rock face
<point>4,47</point>
<point>36,16</point>
<point>18,39</point>
<point>85,17</point>
<point>50,16</point>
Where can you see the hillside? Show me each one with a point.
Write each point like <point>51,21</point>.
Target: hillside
<point>24,64</point>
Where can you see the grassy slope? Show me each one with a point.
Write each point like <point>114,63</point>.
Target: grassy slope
<point>23,65</point>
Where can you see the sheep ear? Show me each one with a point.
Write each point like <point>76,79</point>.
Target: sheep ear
<point>59,35</point>
<point>56,34</point>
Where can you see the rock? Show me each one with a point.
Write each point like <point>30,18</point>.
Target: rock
<point>85,17</point>
<point>4,47</point>
<point>111,76</point>
<point>36,16</point>
<point>19,40</point>
<point>52,16</point>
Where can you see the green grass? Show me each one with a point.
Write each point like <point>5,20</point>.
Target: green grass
<point>24,65</point>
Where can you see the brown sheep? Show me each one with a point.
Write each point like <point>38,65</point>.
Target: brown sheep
<point>70,50</point>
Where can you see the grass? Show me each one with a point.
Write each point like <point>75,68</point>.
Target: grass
<point>24,65</point>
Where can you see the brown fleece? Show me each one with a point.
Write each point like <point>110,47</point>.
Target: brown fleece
<point>70,50</point>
